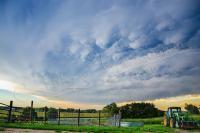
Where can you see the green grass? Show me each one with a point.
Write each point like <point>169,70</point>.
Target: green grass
<point>96,129</point>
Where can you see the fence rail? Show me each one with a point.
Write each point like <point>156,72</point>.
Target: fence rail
<point>4,104</point>
<point>58,116</point>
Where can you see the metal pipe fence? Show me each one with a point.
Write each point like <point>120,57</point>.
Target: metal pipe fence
<point>10,113</point>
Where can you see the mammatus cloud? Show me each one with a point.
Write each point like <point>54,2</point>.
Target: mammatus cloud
<point>104,51</point>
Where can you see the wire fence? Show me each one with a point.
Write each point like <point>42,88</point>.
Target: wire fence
<point>60,116</point>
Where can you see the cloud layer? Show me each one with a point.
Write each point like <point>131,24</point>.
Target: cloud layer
<point>101,51</point>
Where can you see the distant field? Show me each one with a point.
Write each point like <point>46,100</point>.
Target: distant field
<point>6,112</point>
<point>62,114</point>
<point>66,114</point>
<point>157,120</point>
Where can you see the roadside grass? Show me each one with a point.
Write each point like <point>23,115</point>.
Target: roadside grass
<point>156,128</point>
<point>1,129</point>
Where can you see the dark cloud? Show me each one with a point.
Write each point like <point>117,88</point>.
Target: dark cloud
<point>104,51</point>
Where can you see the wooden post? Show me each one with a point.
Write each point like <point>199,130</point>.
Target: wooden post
<point>99,117</point>
<point>45,114</point>
<point>79,117</point>
<point>120,115</point>
<point>31,112</point>
<point>10,111</point>
<point>59,116</point>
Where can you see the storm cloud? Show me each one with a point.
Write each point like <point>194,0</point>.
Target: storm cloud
<point>101,51</point>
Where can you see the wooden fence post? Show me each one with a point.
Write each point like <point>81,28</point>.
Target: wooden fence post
<point>79,117</point>
<point>10,111</point>
<point>59,116</point>
<point>99,117</point>
<point>45,114</point>
<point>31,112</point>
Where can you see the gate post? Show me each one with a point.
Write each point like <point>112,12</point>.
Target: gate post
<point>10,111</point>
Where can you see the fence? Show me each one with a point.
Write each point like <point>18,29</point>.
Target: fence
<point>10,113</point>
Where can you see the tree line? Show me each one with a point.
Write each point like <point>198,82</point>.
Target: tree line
<point>192,109</point>
<point>134,110</point>
<point>143,110</point>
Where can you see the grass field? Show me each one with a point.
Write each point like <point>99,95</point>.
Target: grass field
<point>96,129</point>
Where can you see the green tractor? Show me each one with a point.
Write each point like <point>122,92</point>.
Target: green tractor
<point>175,118</point>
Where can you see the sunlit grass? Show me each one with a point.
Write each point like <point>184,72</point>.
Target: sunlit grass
<point>96,129</point>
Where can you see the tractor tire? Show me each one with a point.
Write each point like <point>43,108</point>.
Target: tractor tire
<point>165,121</point>
<point>172,123</point>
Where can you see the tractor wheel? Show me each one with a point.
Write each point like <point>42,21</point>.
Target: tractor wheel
<point>165,121</point>
<point>172,123</point>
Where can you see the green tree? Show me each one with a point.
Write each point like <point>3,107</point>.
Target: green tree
<point>192,109</point>
<point>111,108</point>
<point>140,110</point>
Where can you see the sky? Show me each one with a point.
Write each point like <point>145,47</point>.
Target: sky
<point>94,52</point>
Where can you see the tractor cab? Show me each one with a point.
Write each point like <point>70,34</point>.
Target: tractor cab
<point>172,110</point>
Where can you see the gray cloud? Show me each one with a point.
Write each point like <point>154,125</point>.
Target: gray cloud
<point>121,50</point>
